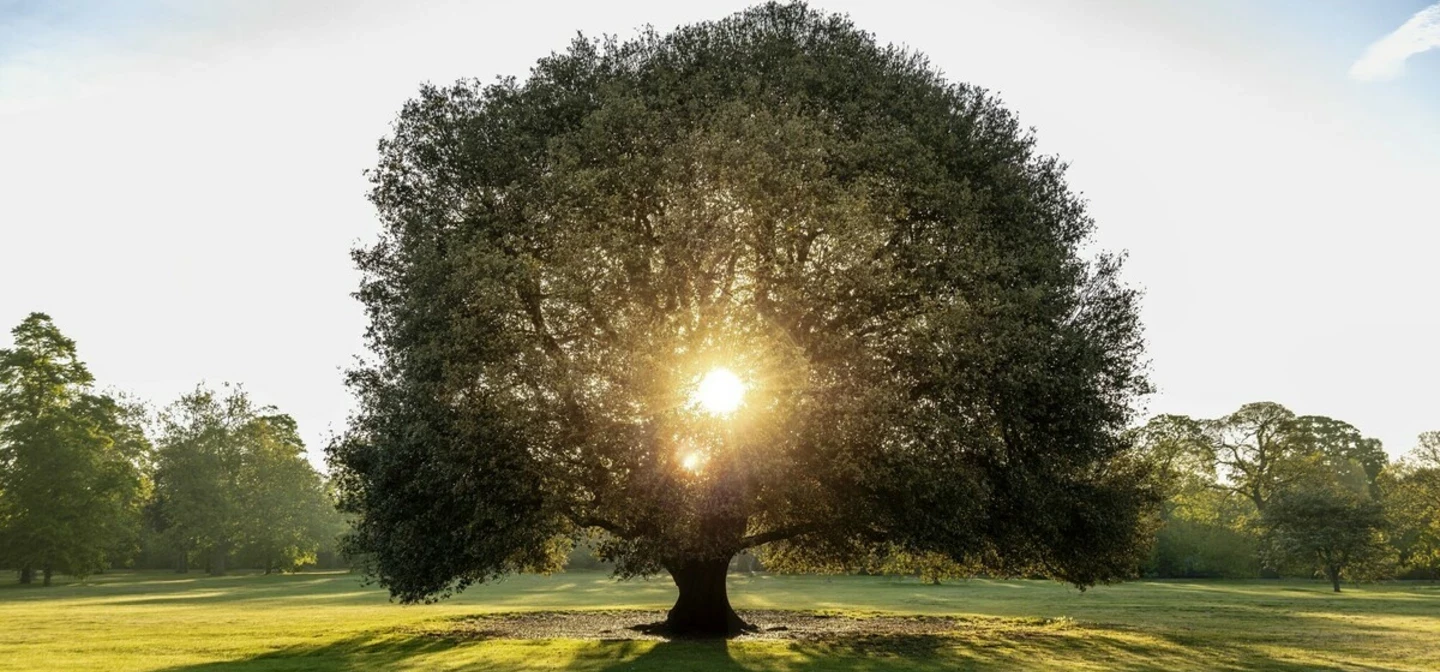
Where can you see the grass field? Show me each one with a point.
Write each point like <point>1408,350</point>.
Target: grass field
<point>329,621</point>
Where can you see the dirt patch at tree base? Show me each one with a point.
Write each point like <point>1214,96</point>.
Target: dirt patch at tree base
<point>768,625</point>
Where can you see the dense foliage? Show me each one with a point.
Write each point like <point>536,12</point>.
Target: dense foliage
<point>1344,509</point>
<point>83,489</point>
<point>233,478</point>
<point>70,480</point>
<point>880,253</point>
<point>1412,504</point>
<point>1334,530</point>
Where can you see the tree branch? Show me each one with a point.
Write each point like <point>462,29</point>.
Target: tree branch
<point>595,521</point>
<point>777,534</point>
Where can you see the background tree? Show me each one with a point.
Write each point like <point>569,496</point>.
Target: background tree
<point>122,421</point>
<point>1339,449</point>
<point>197,476</point>
<point>1331,528</point>
<point>1258,453</point>
<point>1254,451</point>
<point>880,255</point>
<point>1178,448</point>
<point>233,478</point>
<point>70,460</point>
<point>286,509</point>
<point>1207,528</point>
<point>1412,506</point>
<point>931,568</point>
<point>1427,451</point>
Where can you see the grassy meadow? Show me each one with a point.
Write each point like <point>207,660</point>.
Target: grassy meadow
<point>131,621</point>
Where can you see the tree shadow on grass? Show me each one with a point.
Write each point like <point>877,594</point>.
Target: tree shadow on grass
<point>992,650</point>
<point>365,652</point>
<point>933,653</point>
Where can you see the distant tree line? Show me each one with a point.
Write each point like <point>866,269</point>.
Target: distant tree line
<point>91,480</point>
<point>1265,492</point>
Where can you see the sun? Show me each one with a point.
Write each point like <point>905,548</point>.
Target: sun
<point>692,462</point>
<point>720,392</point>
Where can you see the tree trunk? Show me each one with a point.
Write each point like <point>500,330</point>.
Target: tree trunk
<point>182,564</point>
<point>46,574</point>
<point>27,575</point>
<point>703,608</point>
<point>1334,574</point>
<point>217,563</point>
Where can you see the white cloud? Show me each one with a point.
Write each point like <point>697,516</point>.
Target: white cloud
<point>1385,59</point>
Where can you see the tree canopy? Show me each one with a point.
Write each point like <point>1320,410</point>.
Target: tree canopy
<point>70,459</point>
<point>1262,449</point>
<point>83,489</point>
<point>1412,502</point>
<point>1335,530</point>
<point>932,365</point>
<point>1223,475</point>
<point>231,477</point>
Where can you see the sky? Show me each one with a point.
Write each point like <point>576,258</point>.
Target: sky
<point>181,181</point>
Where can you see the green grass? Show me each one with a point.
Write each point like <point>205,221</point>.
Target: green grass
<point>329,621</point>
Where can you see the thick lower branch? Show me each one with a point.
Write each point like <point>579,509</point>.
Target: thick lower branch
<point>601,523</point>
<point>777,534</point>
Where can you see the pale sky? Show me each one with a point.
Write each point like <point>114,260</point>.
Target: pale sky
<point>180,180</point>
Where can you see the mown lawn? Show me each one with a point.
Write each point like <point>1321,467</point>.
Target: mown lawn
<point>329,621</point>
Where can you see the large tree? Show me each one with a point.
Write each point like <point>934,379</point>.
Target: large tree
<point>878,256</point>
<point>70,459</point>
